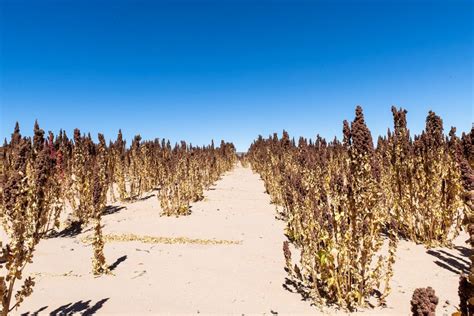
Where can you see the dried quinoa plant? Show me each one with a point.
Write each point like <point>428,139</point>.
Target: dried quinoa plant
<point>424,302</point>
<point>120,165</point>
<point>465,156</point>
<point>421,180</point>
<point>99,197</point>
<point>438,189</point>
<point>135,168</point>
<point>82,190</point>
<point>27,209</point>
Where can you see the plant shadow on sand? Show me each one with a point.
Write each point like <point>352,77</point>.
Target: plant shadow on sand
<point>71,231</point>
<point>83,308</point>
<point>80,307</point>
<point>295,287</point>
<point>146,197</point>
<point>75,228</point>
<point>137,198</point>
<point>35,313</point>
<point>109,209</point>
<point>114,265</point>
<point>454,263</point>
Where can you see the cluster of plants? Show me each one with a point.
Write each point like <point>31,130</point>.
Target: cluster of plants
<point>29,208</point>
<point>348,202</point>
<point>188,171</point>
<point>465,156</point>
<point>41,176</point>
<point>181,173</point>
<point>36,181</point>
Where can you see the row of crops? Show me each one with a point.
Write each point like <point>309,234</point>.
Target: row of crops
<point>347,203</point>
<point>42,176</point>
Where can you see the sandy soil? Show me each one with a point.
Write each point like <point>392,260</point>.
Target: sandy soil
<point>240,278</point>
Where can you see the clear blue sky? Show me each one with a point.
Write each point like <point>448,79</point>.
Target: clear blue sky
<point>198,70</point>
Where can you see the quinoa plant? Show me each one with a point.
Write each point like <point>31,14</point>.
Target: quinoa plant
<point>99,197</point>
<point>120,165</point>
<point>26,211</point>
<point>465,156</point>
<point>424,302</point>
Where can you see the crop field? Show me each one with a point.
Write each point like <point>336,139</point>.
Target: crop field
<point>293,226</point>
<point>237,157</point>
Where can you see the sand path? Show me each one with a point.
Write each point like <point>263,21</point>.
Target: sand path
<point>244,278</point>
